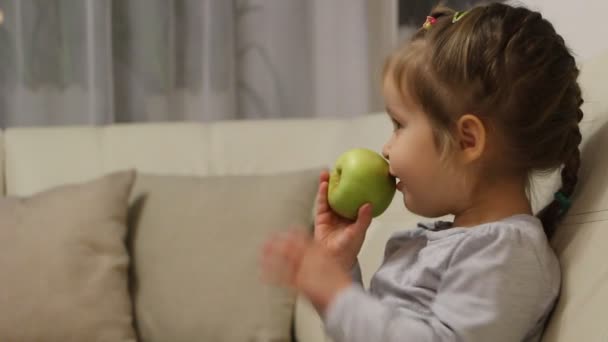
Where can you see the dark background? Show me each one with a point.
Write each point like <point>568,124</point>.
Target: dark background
<point>414,12</point>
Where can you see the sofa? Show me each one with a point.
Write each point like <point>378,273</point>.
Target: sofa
<point>198,159</point>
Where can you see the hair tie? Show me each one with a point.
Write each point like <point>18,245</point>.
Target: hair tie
<point>458,16</point>
<point>563,201</point>
<point>430,21</point>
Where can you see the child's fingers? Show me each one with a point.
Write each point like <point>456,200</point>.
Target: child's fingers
<point>270,257</point>
<point>364,218</point>
<point>281,256</point>
<point>325,217</point>
<point>298,242</point>
<point>292,257</point>
<point>322,204</point>
<point>324,176</point>
<point>297,248</point>
<point>274,271</point>
<point>267,273</point>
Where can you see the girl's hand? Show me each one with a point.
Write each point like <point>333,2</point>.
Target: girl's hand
<point>340,237</point>
<point>295,261</point>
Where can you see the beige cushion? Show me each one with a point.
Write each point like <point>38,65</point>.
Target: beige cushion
<point>63,264</point>
<point>195,245</point>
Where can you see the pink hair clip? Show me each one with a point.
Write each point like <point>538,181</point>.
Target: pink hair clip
<point>430,21</point>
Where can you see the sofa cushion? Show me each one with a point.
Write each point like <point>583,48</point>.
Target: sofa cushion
<point>63,263</point>
<point>195,243</point>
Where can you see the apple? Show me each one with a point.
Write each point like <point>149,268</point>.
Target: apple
<point>360,176</point>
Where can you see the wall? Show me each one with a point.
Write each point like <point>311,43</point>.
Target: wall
<point>582,23</point>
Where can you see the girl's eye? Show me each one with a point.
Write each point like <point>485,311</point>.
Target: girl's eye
<point>396,124</point>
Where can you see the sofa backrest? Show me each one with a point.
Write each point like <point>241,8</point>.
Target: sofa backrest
<point>37,158</point>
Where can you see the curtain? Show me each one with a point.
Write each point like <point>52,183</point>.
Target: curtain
<point>104,61</point>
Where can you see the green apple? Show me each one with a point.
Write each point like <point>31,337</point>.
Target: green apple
<point>360,176</point>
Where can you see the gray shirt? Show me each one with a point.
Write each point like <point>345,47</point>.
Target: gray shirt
<point>493,282</point>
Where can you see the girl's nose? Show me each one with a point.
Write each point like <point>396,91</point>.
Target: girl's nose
<point>385,151</point>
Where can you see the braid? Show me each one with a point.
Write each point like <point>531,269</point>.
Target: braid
<point>554,211</point>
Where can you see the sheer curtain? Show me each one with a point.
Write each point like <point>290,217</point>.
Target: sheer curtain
<point>103,61</point>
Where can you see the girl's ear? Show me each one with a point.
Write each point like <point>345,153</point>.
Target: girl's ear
<point>471,137</point>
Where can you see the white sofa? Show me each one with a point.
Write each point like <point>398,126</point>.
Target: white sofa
<point>38,158</point>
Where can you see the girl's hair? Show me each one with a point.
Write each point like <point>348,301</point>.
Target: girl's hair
<point>508,66</point>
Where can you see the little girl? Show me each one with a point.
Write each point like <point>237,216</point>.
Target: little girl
<point>479,101</point>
